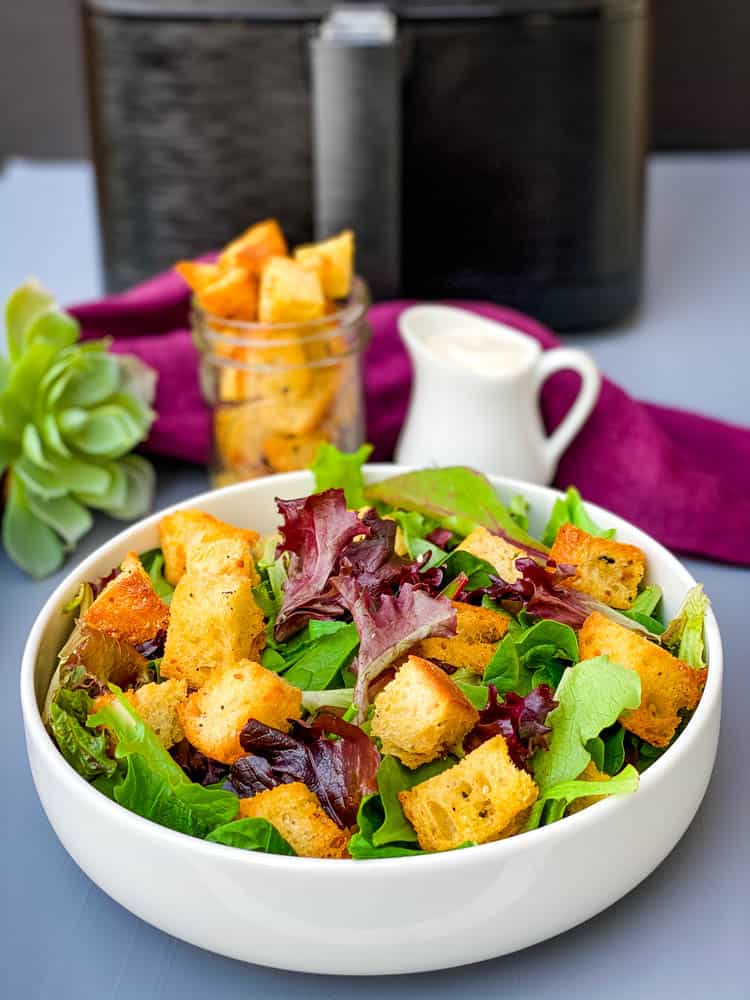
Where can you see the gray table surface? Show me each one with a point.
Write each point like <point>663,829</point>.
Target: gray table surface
<point>683,931</point>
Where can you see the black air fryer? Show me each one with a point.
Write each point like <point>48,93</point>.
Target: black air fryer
<point>485,150</point>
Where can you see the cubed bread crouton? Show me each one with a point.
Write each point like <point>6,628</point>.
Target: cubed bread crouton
<point>667,684</point>
<point>214,622</point>
<point>129,609</point>
<point>609,571</point>
<point>267,374</point>
<point>298,816</point>
<point>213,716</point>
<point>495,550</point>
<point>234,295</point>
<point>590,773</point>
<point>256,245</point>
<point>197,275</point>
<point>333,259</point>
<point>289,293</point>
<point>484,797</point>
<point>178,531</point>
<point>286,452</point>
<point>157,705</point>
<point>421,714</point>
<point>229,556</point>
<point>477,633</point>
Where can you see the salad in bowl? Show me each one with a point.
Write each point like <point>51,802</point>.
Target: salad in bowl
<point>400,669</point>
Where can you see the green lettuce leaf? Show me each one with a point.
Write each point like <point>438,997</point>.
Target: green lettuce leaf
<point>591,696</point>
<point>369,819</point>
<point>684,635</point>
<point>643,609</point>
<point>570,510</point>
<point>153,562</point>
<point>85,751</point>
<point>458,498</point>
<point>608,751</point>
<point>251,834</point>
<point>414,528</point>
<point>393,777</point>
<point>334,469</point>
<point>518,508</point>
<point>532,655</point>
<point>321,663</point>
<point>551,805</point>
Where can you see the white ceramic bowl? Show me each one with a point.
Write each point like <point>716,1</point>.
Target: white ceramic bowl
<point>368,917</point>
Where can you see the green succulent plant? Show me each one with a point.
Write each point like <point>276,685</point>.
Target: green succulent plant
<point>70,413</point>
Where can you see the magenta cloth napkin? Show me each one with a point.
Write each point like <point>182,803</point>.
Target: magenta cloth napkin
<point>681,477</point>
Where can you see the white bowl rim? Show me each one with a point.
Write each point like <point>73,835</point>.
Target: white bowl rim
<point>78,787</point>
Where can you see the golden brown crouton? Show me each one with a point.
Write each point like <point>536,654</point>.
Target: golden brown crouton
<point>484,797</point>
<point>590,773</point>
<point>256,245</point>
<point>289,293</point>
<point>495,550</point>
<point>421,714</point>
<point>197,275</point>
<point>609,571</point>
<point>478,631</point>
<point>184,528</point>
<point>213,716</point>
<point>232,296</point>
<point>157,705</point>
<point>286,452</point>
<point>667,684</point>
<point>298,816</point>
<point>333,259</point>
<point>129,609</point>
<point>230,556</point>
<point>214,622</point>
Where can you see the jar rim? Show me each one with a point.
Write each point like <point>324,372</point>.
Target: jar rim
<point>352,309</point>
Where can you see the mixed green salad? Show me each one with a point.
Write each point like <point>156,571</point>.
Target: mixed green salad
<point>403,668</point>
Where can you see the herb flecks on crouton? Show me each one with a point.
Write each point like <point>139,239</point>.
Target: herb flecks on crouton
<point>478,632</point>
<point>298,816</point>
<point>214,622</point>
<point>667,684</point>
<point>213,716</point>
<point>609,571</point>
<point>484,797</point>
<point>495,550</point>
<point>129,609</point>
<point>179,531</point>
<point>421,714</point>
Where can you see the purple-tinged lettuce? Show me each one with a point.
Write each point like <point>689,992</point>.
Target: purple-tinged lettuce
<point>388,626</point>
<point>339,771</point>
<point>522,721</point>
<point>316,530</point>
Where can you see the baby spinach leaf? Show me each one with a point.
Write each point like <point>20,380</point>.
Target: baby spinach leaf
<point>591,696</point>
<point>369,819</point>
<point>251,834</point>
<point>334,469</point>
<point>559,796</point>
<point>457,498</point>
<point>318,665</point>
<point>477,571</point>
<point>84,750</point>
<point>393,777</point>
<point>570,510</point>
<point>153,562</point>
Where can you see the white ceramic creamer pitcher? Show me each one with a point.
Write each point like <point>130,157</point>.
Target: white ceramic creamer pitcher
<point>475,396</point>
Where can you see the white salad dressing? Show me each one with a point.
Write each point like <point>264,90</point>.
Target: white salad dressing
<point>480,353</point>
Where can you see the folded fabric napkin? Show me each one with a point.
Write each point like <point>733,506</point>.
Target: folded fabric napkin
<point>683,478</point>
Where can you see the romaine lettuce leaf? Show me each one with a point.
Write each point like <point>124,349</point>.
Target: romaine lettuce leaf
<point>591,696</point>
<point>251,834</point>
<point>570,510</point>
<point>334,469</point>
<point>684,635</point>
<point>457,498</point>
<point>551,805</point>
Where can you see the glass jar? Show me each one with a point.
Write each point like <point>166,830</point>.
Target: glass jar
<point>277,390</point>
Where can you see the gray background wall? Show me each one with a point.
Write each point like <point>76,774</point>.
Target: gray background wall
<point>701,76</point>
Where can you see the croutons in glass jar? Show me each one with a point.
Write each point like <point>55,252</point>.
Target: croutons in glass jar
<point>280,341</point>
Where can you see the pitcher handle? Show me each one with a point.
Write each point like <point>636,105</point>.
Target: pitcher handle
<point>569,359</point>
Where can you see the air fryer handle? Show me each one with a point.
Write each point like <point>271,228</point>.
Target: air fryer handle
<point>356,113</point>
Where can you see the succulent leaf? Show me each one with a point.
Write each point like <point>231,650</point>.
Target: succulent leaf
<point>29,542</point>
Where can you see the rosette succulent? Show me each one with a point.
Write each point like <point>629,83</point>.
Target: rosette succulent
<point>70,413</point>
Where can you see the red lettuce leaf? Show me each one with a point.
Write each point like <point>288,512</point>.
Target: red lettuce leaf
<point>389,625</point>
<point>316,530</point>
<point>542,592</point>
<point>520,720</point>
<point>340,772</point>
<point>197,766</point>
